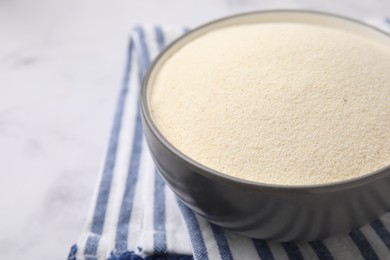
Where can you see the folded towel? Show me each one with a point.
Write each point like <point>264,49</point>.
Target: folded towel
<point>136,216</point>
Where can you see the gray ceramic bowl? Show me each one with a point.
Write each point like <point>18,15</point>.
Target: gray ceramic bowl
<point>274,212</point>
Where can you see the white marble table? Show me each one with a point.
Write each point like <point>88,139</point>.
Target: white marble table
<point>61,64</point>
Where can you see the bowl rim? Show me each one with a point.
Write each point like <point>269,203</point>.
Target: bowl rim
<point>220,176</point>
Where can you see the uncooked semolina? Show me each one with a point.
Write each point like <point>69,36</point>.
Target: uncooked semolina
<point>280,103</point>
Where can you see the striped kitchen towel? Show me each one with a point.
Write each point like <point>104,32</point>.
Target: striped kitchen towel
<point>136,216</point>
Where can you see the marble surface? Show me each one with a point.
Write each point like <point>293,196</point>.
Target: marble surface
<point>61,65</point>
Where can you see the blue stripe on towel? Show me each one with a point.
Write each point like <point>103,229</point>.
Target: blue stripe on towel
<point>105,183</point>
<point>363,245</point>
<point>223,245</point>
<point>133,171</point>
<point>159,37</point>
<point>381,231</point>
<point>159,236</point>
<point>321,250</point>
<point>92,246</point>
<point>128,196</point>
<point>262,249</point>
<point>72,253</point>
<point>197,241</point>
<point>292,251</point>
<point>144,57</point>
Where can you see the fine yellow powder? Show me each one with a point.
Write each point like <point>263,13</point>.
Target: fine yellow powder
<point>281,103</point>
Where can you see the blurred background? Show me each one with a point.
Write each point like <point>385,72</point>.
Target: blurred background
<point>61,65</point>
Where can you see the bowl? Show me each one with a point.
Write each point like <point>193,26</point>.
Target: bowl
<point>266,211</point>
